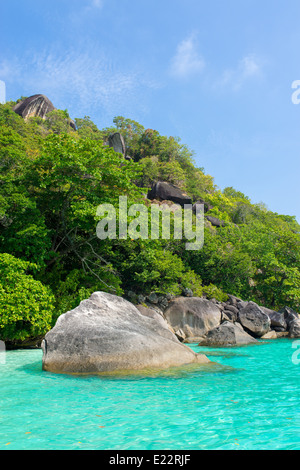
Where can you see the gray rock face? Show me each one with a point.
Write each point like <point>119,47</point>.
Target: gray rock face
<point>214,221</point>
<point>289,315</point>
<point>107,333</point>
<point>227,334</point>
<point>278,322</point>
<point>73,125</point>
<point>194,316</point>
<point>37,106</point>
<point>254,320</point>
<point>235,302</point>
<point>206,205</point>
<point>187,292</point>
<point>34,106</point>
<point>292,320</point>
<point>229,316</point>
<point>230,312</point>
<point>162,324</point>
<point>168,192</point>
<point>270,335</point>
<point>153,298</point>
<point>232,309</point>
<point>116,141</point>
<point>232,300</point>
<point>294,329</point>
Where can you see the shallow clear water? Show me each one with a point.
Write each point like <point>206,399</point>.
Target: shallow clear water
<point>247,399</point>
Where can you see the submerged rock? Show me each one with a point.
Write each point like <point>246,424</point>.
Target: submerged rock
<point>193,316</point>
<point>227,334</point>
<point>107,333</point>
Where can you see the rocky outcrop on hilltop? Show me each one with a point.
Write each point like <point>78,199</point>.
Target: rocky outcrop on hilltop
<point>215,222</point>
<point>117,142</point>
<point>106,333</point>
<point>207,206</point>
<point>164,191</point>
<point>36,106</point>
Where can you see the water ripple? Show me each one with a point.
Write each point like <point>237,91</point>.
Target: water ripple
<point>247,399</point>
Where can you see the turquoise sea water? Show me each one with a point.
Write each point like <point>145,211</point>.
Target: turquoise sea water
<point>248,399</point>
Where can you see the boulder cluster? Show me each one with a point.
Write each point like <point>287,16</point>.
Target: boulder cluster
<point>231,323</point>
<point>214,323</point>
<point>107,333</point>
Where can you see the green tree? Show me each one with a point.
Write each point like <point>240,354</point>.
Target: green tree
<point>87,129</point>
<point>58,121</point>
<point>26,305</point>
<point>149,266</point>
<point>68,182</point>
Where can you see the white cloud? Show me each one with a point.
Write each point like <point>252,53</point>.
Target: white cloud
<point>187,60</point>
<point>249,67</point>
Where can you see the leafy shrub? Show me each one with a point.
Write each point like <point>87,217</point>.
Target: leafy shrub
<point>213,292</point>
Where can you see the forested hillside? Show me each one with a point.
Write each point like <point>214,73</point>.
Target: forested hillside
<point>53,177</point>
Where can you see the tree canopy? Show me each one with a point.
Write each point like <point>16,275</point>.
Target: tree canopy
<point>53,178</point>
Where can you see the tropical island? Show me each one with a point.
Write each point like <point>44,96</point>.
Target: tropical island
<point>59,280</point>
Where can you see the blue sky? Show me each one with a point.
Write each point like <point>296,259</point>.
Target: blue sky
<point>218,74</point>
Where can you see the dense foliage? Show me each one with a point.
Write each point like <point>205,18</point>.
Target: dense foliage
<point>52,179</point>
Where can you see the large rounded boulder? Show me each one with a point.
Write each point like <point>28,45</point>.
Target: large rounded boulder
<point>192,317</point>
<point>106,333</point>
<point>34,106</point>
<point>254,320</point>
<point>164,191</point>
<point>37,106</point>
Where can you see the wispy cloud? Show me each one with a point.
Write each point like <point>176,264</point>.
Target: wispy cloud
<point>97,3</point>
<point>78,80</point>
<point>249,67</point>
<point>187,60</point>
